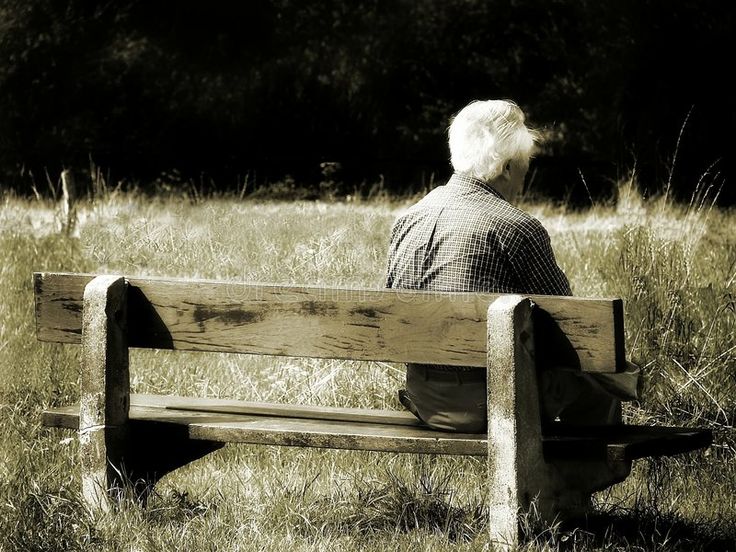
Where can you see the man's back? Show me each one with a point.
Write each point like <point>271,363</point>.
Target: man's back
<point>465,237</point>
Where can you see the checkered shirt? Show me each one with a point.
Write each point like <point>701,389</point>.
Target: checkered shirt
<point>464,236</point>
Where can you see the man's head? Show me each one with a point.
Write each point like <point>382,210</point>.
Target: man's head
<point>489,141</point>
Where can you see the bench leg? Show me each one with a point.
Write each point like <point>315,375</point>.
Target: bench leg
<point>116,452</point>
<point>520,482</point>
<point>104,388</point>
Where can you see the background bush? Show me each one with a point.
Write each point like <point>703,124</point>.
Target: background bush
<point>224,92</point>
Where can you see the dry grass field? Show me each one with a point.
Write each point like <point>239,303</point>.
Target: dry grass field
<point>675,267</point>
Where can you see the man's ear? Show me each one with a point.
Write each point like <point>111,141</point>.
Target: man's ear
<point>506,173</point>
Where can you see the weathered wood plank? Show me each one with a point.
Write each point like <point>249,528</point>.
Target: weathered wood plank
<point>268,430</point>
<point>60,417</point>
<point>337,435</point>
<point>623,442</point>
<point>360,324</point>
<point>560,442</point>
<point>227,406</point>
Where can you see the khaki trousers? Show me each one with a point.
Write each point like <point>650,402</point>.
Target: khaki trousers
<point>455,400</point>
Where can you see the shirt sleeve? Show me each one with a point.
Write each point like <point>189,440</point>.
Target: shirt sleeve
<point>534,263</point>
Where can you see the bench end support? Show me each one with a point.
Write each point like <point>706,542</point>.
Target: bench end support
<point>522,486</point>
<point>104,388</point>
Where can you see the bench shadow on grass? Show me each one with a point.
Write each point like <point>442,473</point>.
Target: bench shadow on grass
<point>406,506</point>
<point>647,530</point>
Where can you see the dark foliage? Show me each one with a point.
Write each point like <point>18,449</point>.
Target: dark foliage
<point>274,87</point>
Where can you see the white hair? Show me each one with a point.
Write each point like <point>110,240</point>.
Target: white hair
<point>485,135</point>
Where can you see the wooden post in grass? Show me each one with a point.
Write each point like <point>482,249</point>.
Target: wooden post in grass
<point>68,200</point>
<point>104,388</point>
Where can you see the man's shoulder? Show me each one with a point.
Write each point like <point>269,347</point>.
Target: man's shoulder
<point>512,220</point>
<point>436,196</point>
<point>433,200</point>
<point>481,210</point>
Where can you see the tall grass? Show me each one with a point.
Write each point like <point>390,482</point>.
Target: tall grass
<point>673,265</point>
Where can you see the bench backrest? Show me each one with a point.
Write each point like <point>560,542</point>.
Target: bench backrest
<point>360,324</point>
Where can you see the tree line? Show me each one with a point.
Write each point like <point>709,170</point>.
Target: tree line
<point>222,90</point>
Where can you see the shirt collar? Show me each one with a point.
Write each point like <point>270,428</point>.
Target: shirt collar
<point>464,180</point>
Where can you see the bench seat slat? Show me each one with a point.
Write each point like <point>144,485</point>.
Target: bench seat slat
<point>229,406</point>
<point>353,429</point>
<point>270,430</point>
<point>628,442</point>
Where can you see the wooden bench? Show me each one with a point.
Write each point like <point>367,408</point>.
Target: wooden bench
<point>147,436</point>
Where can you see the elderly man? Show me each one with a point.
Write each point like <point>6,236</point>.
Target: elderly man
<point>467,236</point>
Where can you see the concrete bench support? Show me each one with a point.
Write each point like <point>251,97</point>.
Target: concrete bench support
<point>104,388</point>
<point>117,452</point>
<point>520,481</point>
<point>515,443</point>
